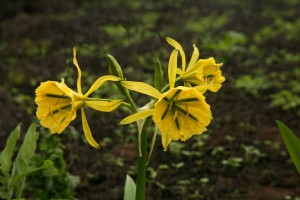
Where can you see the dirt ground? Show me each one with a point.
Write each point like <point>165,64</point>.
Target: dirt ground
<point>36,38</point>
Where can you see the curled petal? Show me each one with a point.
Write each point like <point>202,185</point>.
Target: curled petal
<point>194,57</point>
<point>142,88</point>
<point>99,82</point>
<point>78,70</point>
<point>87,131</point>
<point>137,116</point>
<point>177,46</point>
<point>104,106</point>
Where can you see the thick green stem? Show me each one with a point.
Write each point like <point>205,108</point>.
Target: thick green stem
<point>126,93</point>
<point>167,87</point>
<point>142,162</point>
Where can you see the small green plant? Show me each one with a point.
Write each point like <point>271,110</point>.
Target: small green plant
<point>252,154</point>
<point>286,100</point>
<point>233,162</point>
<point>13,173</point>
<point>252,84</point>
<point>44,183</point>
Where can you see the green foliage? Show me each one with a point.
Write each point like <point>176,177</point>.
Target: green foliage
<point>7,152</point>
<point>252,154</point>
<point>23,159</point>
<point>233,42</point>
<point>130,188</point>
<point>252,84</point>
<point>13,174</point>
<point>233,162</point>
<point>292,143</point>
<point>45,184</point>
<point>286,100</point>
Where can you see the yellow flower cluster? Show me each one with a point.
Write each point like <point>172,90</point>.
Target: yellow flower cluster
<point>182,111</point>
<point>179,112</point>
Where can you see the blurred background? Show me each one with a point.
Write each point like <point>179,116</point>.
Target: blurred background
<point>241,156</point>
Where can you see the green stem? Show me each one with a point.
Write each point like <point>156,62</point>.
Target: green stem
<point>167,87</point>
<point>126,93</point>
<point>142,162</point>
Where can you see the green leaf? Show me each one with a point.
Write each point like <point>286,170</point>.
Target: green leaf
<point>7,153</point>
<point>158,75</point>
<point>130,188</point>
<point>292,143</point>
<point>4,195</point>
<point>22,161</point>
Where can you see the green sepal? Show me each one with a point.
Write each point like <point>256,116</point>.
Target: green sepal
<point>292,143</point>
<point>114,67</point>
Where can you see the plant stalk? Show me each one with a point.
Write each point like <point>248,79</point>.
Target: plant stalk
<point>142,162</point>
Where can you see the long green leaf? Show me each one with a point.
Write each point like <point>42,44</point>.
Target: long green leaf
<point>22,161</point>
<point>130,188</point>
<point>7,153</point>
<point>158,75</point>
<point>292,143</point>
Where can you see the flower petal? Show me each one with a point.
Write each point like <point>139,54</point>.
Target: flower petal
<point>99,82</point>
<point>142,88</point>
<point>172,68</point>
<point>78,70</point>
<point>87,131</point>
<point>137,116</point>
<point>177,46</point>
<point>104,106</point>
<point>55,109</point>
<point>194,57</point>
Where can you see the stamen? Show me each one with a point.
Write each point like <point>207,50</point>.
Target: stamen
<point>166,99</point>
<point>58,96</point>
<point>186,100</point>
<point>185,112</point>
<point>175,95</point>
<point>61,109</point>
<point>177,123</point>
<point>165,112</point>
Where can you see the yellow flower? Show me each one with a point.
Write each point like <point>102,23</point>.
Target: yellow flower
<point>179,113</point>
<point>212,74</point>
<point>205,74</point>
<point>57,103</point>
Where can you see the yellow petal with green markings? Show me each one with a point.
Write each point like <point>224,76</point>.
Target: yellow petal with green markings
<point>137,116</point>
<point>78,70</point>
<point>172,68</point>
<point>177,46</point>
<point>99,82</point>
<point>87,131</point>
<point>141,87</point>
<point>104,106</point>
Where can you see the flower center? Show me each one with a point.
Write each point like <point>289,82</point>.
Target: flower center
<point>176,106</point>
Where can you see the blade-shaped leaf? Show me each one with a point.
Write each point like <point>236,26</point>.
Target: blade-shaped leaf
<point>292,143</point>
<point>158,75</point>
<point>130,187</point>
<point>7,153</point>
<point>23,159</point>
